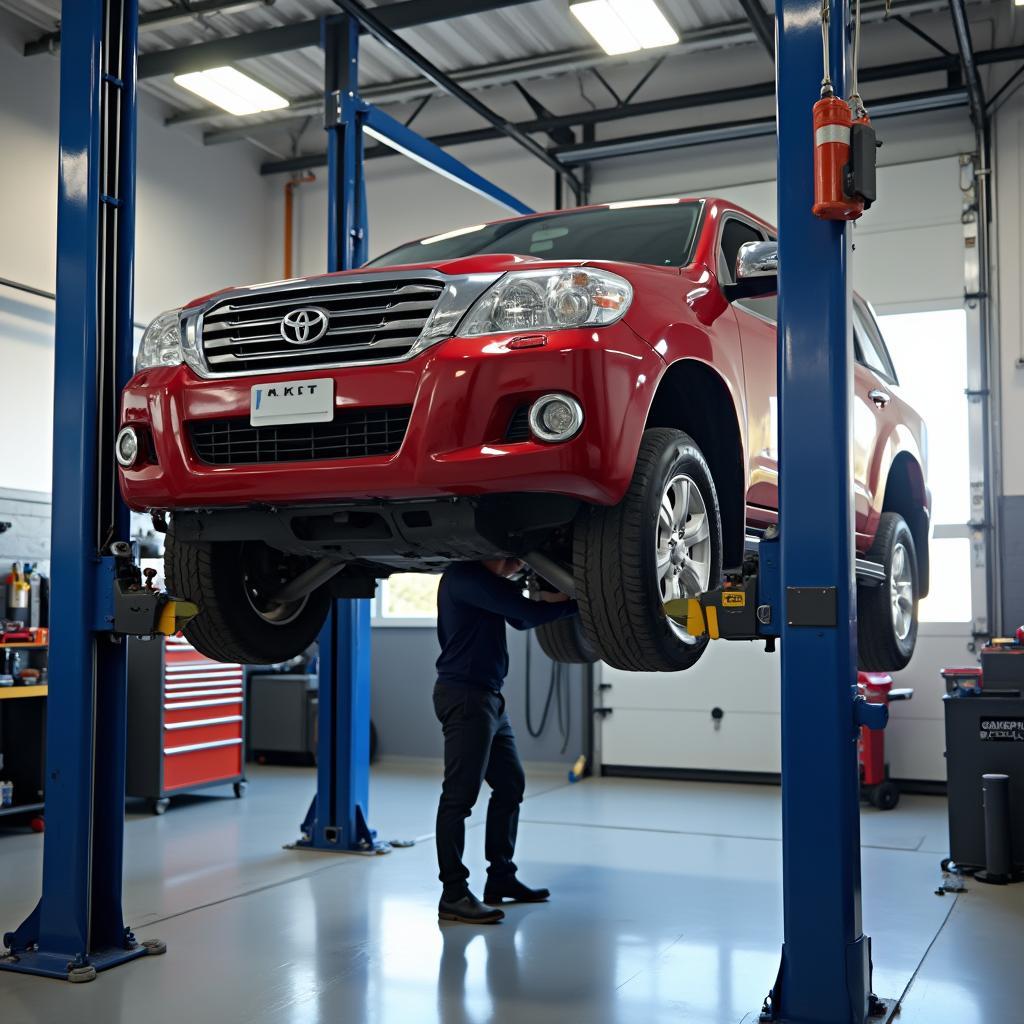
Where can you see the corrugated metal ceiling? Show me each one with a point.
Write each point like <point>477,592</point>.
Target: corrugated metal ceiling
<point>475,41</point>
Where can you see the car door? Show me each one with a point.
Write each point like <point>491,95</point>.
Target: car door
<point>875,413</point>
<point>757,323</point>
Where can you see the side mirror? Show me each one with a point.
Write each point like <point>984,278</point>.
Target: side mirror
<point>757,271</point>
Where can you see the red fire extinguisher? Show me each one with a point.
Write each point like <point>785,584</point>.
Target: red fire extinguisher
<point>832,124</point>
<point>844,144</point>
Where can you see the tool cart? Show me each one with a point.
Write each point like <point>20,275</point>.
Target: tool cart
<point>186,721</point>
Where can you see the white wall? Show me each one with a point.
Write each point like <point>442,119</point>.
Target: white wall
<point>201,224</point>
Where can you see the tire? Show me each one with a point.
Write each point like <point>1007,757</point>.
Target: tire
<point>221,579</point>
<point>886,795</point>
<point>564,641</point>
<point>883,643</point>
<point>617,552</point>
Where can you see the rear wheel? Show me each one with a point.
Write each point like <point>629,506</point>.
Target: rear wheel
<point>662,541</point>
<point>564,641</point>
<point>232,583</point>
<point>887,614</point>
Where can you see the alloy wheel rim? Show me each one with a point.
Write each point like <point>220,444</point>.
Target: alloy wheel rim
<point>901,592</point>
<point>682,549</point>
<point>260,580</point>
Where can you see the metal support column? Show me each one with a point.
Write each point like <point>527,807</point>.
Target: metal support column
<point>77,927</point>
<point>337,817</point>
<point>825,972</point>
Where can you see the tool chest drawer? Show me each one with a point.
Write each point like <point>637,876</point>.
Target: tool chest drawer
<point>187,765</point>
<point>186,720</point>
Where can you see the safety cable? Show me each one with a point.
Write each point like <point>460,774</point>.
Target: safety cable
<point>826,79</point>
<point>856,102</point>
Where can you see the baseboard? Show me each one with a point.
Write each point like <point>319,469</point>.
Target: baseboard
<point>690,775</point>
<point>923,787</point>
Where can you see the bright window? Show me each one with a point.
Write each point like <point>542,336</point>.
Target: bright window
<point>929,351</point>
<point>949,596</point>
<point>408,596</point>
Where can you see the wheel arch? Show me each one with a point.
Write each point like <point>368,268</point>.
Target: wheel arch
<point>906,493</point>
<point>693,397</point>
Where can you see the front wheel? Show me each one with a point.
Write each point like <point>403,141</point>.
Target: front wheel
<point>887,614</point>
<point>233,583</point>
<point>662,541</point>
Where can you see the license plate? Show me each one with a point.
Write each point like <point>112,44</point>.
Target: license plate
<point>297,401</point>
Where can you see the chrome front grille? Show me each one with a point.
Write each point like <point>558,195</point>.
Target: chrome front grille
<point>369,319</point>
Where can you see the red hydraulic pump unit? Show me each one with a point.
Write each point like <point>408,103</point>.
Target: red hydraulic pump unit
<point>876,786</point>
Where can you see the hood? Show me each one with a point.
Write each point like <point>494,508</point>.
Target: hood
<point>483,263</point>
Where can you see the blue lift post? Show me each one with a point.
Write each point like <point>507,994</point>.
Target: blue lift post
<point>825,975</point>
<point>77,927</point>
<point>337,819</point>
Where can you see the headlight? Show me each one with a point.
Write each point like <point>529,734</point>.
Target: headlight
<point>549,300</point>
<point>161,342</point>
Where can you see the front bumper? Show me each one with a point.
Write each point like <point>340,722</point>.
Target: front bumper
<point>463,393</point>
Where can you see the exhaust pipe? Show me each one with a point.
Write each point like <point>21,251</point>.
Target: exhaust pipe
<point>558,576</point>
<point>306,582</point>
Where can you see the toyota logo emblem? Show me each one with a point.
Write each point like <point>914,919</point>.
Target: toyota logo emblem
<point>304,326</point>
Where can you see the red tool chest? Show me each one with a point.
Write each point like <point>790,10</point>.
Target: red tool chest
<point>186,721</point>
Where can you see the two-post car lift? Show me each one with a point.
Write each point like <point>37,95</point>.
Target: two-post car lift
<point>78,928</point>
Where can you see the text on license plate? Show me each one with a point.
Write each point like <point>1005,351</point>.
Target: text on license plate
<point>296,401</point>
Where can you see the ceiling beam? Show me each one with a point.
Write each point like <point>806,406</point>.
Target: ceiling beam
<point>200,56</point>
<point>680,138</point>
<point>382,33</point>
<point>162,18</point>
<point>762,23</point>
<point>218,52</point>
<point>729,131</point>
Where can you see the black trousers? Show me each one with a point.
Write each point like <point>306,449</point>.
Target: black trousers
<point>478,745</point>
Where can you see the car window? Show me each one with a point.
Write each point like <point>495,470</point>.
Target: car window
<point>661,233</point>
<point>871,350</point>
<point>766,306</point>
<point>734,234</point>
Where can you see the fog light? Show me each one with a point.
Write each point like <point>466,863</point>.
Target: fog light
<point>555,417</point>
<point>126,447</point>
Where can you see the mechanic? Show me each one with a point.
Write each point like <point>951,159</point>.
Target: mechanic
<point>474,601</point>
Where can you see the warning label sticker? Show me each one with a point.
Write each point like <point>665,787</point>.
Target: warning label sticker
<point>1003,729</point>
<point>734,599</point>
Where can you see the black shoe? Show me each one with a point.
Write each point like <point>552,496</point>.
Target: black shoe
<point>514,891</point>
<point>469,910</point>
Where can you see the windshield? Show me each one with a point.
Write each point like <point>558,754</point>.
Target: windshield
<point>660,233</point>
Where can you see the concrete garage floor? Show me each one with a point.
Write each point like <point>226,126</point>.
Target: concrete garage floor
<point>666,907</point>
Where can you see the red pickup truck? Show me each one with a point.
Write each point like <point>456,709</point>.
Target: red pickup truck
<point>592,390</point>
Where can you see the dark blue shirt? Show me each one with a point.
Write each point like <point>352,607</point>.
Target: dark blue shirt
<point>473,605</point>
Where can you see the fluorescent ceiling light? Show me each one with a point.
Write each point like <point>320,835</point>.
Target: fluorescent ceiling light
<point>452,234</point>
<point>625,26</point>
<point>630,204</point>
<point>229,89</point>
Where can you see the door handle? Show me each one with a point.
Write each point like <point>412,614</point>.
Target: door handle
<point>879,397</point>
